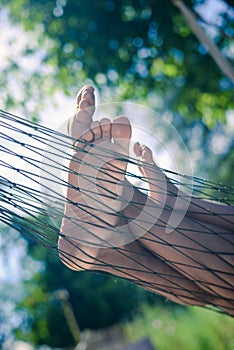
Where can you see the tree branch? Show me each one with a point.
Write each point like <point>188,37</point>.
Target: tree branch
<point>213,50</point>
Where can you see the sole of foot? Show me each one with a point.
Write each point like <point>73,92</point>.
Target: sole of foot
<point>96,169</point>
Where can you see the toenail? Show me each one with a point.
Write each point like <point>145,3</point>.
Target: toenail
<point>84,104</point>
<point>88,87</point>
<point>87,93</point>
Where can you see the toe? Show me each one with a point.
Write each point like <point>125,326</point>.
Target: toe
<point>146,154</point>
<point>96,129</point>
<point>143,152</point>
<point>106,128</point>
<point>84,104</point>
<point>87,93</point>
<point>86,100</point>
<point>78,124</point>
<point>85,108</point>
<point>121,131</point>
<point>137,149</point>
<point>88,136</point>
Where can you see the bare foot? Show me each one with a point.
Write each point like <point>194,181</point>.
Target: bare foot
<point>91,212</point>
<point>77,125</point>
<point>196,264</point>
<point>96,173</point>
<point>101,172</point>
<point>161,189</point>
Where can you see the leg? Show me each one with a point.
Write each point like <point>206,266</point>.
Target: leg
<point>162,190</point>
<point>130,261</point>
<point>193,248</point>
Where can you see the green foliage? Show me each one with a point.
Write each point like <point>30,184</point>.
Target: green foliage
<point>136,48</point>
<point>139,50</point>
<point>225,169</point>
<point>97,301</point>
<point>183,328</point>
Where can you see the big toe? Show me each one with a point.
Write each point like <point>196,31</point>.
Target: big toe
<point>82,120</point>
<point>85,94</point>
<point>137,149</point>
<point>144,152</point>
<point>85,103</point>
<point>121,132</point>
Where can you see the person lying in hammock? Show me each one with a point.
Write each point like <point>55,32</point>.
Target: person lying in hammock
<point>116,228</point>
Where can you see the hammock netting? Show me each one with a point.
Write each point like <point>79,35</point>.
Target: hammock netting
<point>32,204</point>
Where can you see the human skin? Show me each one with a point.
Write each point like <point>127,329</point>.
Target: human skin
<point>157,261</point>
<point>211,212</point>
<point>185,250</point>
<point>198,249</point>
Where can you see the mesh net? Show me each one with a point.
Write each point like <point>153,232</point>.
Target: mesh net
<point>187,257</point>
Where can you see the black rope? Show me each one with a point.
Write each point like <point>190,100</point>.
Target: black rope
<point>31,206</point>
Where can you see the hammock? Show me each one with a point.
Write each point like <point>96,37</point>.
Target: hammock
<point>32,190</point>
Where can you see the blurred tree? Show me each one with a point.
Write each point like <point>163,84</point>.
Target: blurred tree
<point>138,48</point>
<point>16,268</point>
<point>97,301</point>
